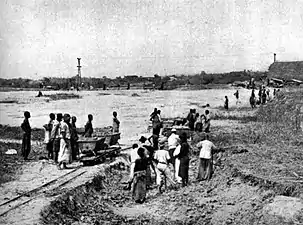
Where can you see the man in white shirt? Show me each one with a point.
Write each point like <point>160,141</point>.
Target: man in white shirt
<point>206,159</point>
<point>162,157</point>
<point>173,142</point>
<point>133,156</point>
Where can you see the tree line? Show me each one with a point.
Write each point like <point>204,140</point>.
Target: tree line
<point>159,82</point>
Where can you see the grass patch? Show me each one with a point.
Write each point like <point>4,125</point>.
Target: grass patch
<point>8,132</point>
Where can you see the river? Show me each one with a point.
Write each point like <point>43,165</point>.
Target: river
<point>133,106</point>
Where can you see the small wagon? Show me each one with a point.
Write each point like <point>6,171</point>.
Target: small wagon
<point>95,150</point>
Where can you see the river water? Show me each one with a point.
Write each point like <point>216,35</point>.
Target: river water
<point>133,106</point>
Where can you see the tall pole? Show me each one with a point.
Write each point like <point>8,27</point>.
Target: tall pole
<point>79,72</point>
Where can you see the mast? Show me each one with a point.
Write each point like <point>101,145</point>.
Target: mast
<point>79,73</point>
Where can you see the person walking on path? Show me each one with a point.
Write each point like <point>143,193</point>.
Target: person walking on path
<point>74,138</point>
<point>48,140</point>
<point>64,156</point>
<point>183,157</point>
<point>237,96</point>
<point>139,180</point>
<point>205,169</point>
<point>162,158</point>
<point>116,123</point>
<point>226,103</point>
<point>88,129</point>
<point>26,140</point>
<point>55,136</point>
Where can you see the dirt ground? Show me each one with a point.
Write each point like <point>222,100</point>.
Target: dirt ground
<point>256,181</point>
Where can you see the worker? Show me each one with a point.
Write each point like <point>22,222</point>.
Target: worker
<point>88,129</point>
<point>205,169</point>
<point>162,158</point>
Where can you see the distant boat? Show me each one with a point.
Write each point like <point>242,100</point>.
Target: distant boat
<point>8,101</point>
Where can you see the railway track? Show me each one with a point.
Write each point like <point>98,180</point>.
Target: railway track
<point>55,184</point>
<point>22,199</point>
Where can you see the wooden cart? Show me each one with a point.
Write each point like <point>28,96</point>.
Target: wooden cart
<point>94,150</point>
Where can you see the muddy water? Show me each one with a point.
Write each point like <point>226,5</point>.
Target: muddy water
<point>133,106</point>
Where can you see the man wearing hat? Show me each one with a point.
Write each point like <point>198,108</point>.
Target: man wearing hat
<point>173,142</point>
<point>162,157</point>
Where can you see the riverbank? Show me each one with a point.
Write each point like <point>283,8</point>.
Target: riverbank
<point>258,179</point>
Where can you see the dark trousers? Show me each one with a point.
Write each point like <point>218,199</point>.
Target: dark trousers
<point>171,155</point>
<point>156,130</point>
<point>56,148</point>
<point>75,149</point>
<point>49,148</point>
<point>26,145</point>
<point>205,170</point>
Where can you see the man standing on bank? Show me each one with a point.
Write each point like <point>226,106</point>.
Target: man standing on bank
<point>116,123</point>
<point>26,141</point>
<point>226,103</point>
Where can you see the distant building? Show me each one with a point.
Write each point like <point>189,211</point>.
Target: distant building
<point>286,70</point>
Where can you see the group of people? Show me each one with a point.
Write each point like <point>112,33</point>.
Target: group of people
<point>168,158</point>
<point>61,137</point>
<point>226,100</point>
<point>197,122</point>
<point>263,97</point>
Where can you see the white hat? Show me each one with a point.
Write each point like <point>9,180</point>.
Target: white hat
<point>173,130</point>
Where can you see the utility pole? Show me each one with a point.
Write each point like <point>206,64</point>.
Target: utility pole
<point>79,73</point>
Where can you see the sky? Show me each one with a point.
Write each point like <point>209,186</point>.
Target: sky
<point>44,38</point>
